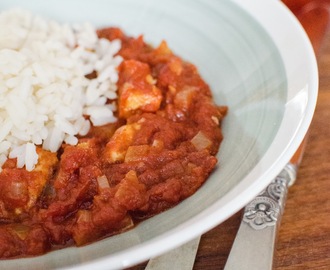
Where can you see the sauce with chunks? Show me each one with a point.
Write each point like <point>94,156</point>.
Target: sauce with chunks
<point>161,150</point>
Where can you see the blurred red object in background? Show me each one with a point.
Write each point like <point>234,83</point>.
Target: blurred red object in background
<point>314,16</point>
<point>295,5</point>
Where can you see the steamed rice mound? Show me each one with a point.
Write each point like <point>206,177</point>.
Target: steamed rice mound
<point>45,97</point>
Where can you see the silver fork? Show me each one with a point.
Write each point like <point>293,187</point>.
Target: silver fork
<point>254,244</point>
<point>181,258</point>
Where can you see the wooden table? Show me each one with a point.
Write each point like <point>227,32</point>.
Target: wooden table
<point>304,236</point>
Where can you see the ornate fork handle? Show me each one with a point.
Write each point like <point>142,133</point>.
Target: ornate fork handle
<point>266,209</point>
<point>254,244</point>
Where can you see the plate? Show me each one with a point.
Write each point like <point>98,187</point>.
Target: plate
<point>258,61</point>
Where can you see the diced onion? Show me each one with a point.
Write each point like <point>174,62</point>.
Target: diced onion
<point>158,144</point>
<point>84,216</point>
<point>21,231</point>
<point>103,182</point>
<point>136,152</point>
<point>200,141</point>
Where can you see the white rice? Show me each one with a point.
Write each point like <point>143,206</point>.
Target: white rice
<point>44,93</point>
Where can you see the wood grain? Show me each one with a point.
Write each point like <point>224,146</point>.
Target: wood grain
<point>304,236</point>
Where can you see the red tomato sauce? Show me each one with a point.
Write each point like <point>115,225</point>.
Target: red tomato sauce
<point>161,150</point>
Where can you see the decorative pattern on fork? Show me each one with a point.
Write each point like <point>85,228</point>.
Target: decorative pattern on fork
<point>268,206</point>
